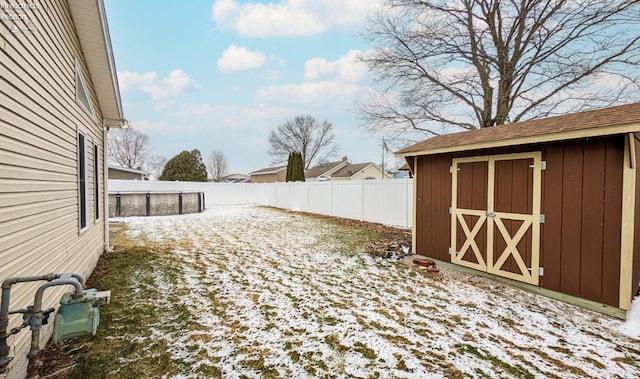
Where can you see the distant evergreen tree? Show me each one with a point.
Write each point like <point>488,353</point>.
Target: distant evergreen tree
<point>289,167</point>
<point>186,166</point>
<point>297,167</point>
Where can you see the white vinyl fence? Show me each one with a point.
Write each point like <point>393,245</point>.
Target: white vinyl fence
<point>386,202</point>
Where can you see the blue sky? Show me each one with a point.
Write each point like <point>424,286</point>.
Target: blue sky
<point>221,74</point>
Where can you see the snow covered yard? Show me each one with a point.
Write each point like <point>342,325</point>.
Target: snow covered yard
<point>256,292</point>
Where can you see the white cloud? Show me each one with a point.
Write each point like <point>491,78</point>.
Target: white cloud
<point>609,80</point>
<point>223,10</point>
<point>194,111</point>
<point>294,18</point>
<point>150,127</point>
<point>328,84</point>
<point>201,115</point>
<point>313,93</point>
<point>236,58</point>
<point>455,73</point>
<point>316,68</point>
<point>350,67</point>
<point>127,79</point>
<point>163,91</point>
<point>175,84</point>
<point>347,68</point>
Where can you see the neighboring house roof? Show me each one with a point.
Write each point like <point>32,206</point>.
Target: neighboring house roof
<point>325,169</point>
<point>268,170</point>
<point>350,170</point>
<point>401,175</point>
<point>404,171</point>
<point>236,178</point>
<point>118,168</point>
<point>90,21</point>
<point>599,122</point>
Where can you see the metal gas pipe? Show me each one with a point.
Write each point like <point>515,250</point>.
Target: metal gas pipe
<point>33,315</point>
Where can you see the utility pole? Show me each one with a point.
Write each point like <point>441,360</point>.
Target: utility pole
<point>385,148</point>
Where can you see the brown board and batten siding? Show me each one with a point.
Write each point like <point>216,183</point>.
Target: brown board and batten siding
<point>635,279</point>
<point>432,206</point>
<point>40,119</point>
<point>582,204</point>
<point>584,248</point>
<point>581,232</point>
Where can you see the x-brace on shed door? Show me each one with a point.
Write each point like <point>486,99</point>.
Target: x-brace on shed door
<point>495,214</point>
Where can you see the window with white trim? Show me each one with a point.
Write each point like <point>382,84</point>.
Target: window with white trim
<point>82,95</point>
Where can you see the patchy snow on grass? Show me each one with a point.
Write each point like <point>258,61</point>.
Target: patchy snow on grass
<point>632,326</point>
<point>276,294</point>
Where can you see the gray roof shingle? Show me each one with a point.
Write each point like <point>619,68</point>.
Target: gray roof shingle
<point>596,122</point>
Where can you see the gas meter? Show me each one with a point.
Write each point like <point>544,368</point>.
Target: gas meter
<point>78,314</point>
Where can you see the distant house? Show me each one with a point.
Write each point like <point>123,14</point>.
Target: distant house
<point>269,175</point>
<point>122,173</point>
<point>324,171</point>
<point>343,170</point>
<point>360,171</point>
<point>236,178</point>
<point>339,170</point>
<point>59,96</point>
<point>406,170</point>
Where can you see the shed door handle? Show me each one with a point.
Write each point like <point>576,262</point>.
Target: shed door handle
<point>491,214</point>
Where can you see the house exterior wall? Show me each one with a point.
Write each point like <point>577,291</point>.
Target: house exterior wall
<point>39,196</point>
<point>581,201</point>
<point>280,176</point>
<point>124,175</point>
<point>370,172</point>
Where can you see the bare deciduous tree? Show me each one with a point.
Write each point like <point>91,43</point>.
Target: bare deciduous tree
<point>217,165</point>
<point>155,164</point>
<point>441,65</point>
<point>130,148</point>
<point>303,134</point>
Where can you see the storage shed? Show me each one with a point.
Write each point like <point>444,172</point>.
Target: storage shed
<point>551,202</point>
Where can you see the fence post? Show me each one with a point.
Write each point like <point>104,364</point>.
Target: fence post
<point>180,203</point>
<point>330,197</point>
<point>308,201</point>
<point>362,203</point>
<point>118,205</point>
<point>148,203</point>
<point>408,201</point>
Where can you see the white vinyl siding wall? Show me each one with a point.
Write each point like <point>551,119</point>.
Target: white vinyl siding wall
<point>39,123</point>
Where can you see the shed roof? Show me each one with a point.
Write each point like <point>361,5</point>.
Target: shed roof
<point>600,122</point>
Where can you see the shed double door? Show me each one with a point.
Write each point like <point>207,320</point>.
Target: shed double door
<point>495,214</point>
